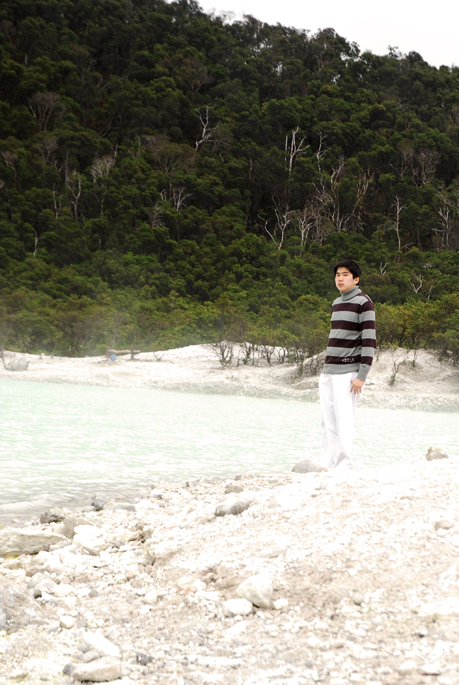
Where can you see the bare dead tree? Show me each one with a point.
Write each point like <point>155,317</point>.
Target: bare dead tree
<point>394,225</point>
<point>283,221</point>
<point>73,183</point>
<point>36,241</point>
<point>46,147</point>
<point>101,167</point>
<point>418,285</point>
<point>207,134</point>
<point>224,349</point>
<point>320,153</point>
<point>405,160</point>
<point>427,162</point>
<point>137,151</point>
<point>328,197</point>
<point>419,165</point>
<point>293,149</point>
<point>284,218</point>
<point>44,106</point>
<point>100,171</point>
<point>304,221</point>
<point>57,202</point>
<point>155,215</point>
<point>177,197</point>
<point>448,212</point>
<point>10,158</point>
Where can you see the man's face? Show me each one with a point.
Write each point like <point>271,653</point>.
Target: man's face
<point>345,280</point>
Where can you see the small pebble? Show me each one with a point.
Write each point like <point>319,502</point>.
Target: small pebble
<point>430,669</point>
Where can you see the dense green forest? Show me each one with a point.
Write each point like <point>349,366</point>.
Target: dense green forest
<point>170,178</point>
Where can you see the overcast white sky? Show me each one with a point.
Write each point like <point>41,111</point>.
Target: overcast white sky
<point>428,28</point>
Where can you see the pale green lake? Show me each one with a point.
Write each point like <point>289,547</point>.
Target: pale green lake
<point>62,443</point>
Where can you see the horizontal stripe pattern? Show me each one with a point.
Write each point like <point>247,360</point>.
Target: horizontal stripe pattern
<point>352,339</point>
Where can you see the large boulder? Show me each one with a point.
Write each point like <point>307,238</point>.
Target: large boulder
<point>232,507</point>
<point>307,466</point>
<point>91,539</point>
<point>436,453</point>
<point>15,541</point>
<point>17,607</point>
<point>258,590</point>
<point>17,364</point>
<point>99,671</point>
<point>97,642</point>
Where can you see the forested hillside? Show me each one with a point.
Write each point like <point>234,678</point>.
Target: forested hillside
<point>169,178</point>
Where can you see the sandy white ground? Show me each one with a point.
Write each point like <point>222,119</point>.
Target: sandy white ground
<point>398,378</point>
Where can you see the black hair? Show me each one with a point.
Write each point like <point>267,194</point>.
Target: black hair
<point>350,265</point>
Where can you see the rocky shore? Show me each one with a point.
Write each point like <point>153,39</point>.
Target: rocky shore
<point>399,378</point>
<point>288,580</point>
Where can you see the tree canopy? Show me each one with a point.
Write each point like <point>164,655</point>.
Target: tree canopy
<point>163,171</point>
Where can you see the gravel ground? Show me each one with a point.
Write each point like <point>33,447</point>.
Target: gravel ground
<point>361,571</point>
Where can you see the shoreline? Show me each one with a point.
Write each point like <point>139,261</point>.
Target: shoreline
<point>398,379</point>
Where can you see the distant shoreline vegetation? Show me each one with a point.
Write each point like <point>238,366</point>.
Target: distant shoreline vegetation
<point>169,178</point>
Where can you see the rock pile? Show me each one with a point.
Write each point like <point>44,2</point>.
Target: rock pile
<point>306,578</point>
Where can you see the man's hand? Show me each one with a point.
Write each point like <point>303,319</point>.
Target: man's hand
<point>356,386</point>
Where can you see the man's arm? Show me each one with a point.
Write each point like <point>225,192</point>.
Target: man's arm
<point>368,335</point>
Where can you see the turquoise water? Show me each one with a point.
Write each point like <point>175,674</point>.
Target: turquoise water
<point>63,443</point>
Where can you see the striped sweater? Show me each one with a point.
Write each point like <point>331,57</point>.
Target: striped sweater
<point>352,339</point>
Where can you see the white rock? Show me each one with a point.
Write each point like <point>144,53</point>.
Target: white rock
<point>83,591</point>
<point>185,582</point>
<point>96,641</point>
<point>211,595</point>
<point>36,579</point>
<point>131,572</point>
<point>45,561</point>
<point>15,541</point>
<point>258,590</point>
<point>197,585</point>
<point>237,607</point>
<point>407,667</point>
<point>144,505</point>
<point>280,604</point>
<point>63,590</point>
<point>17,364</point>
<point>99,671</point>
<point>44,587</point>
<point>436,453</point>
<point>443,524</point>
<point>314,642</point>
<point>58,528</point>
<point>238,628</point>
<point>232,506</point>
<point>151,597</point>
<point>90,539</point>
<point>67,622</point>
<point>430,669</point>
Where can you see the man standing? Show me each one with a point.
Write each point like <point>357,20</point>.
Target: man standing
<point>349,355</point>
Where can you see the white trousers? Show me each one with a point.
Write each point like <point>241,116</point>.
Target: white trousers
<point>338,411</point>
